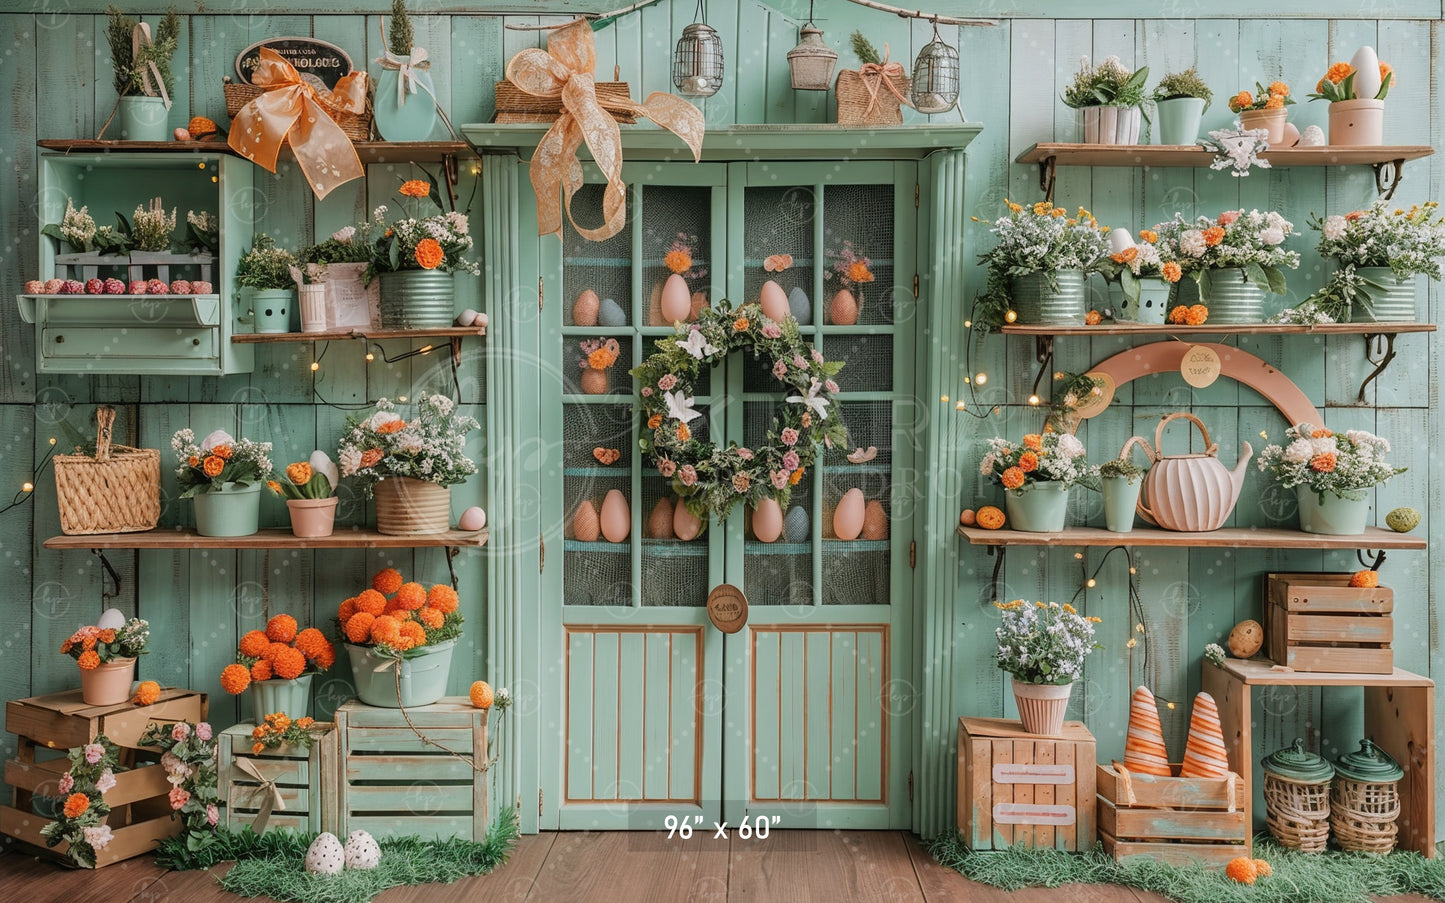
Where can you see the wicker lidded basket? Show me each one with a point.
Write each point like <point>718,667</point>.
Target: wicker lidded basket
<point>1297,798</point>
<point>357,126</point>
<point>1365,804</point>
<point>516,105</point>
<point>117,491</point>
<point>854,90</point>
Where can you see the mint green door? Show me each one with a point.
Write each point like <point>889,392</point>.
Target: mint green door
<point>800,715</point>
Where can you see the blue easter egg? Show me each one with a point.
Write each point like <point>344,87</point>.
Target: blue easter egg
<point>800,307</point>
<point>611,314</point>
<point>795,525</point>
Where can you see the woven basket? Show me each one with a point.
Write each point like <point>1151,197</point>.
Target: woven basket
<point>1363,815</point>
<point>357,126</point>
<point>1298,812</point>
<point>117,491</point>
<point>854,97</point>
<point>516,105</point>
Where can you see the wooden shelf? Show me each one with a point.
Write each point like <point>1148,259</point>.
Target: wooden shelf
<point>1193,155</point>
<point>369,151</point>
<point>1229,537</point>
<point>274,538</point>
<point>1264,673</point>
<point>1206,329</point>
<point>448,332</point>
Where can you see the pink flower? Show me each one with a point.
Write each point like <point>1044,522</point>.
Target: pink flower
<point>799,362</point>
<point>647,391</point>
<point>1228,217</point>
<point>99,837</point>
<point>790,436</point>
<point>779,478</point>
<point>780,370</point>
<point>203,730</point>
<point>790,461</point>
<point>667,383</point>
<point>181,731</point>
<point>106,782</point>
<point>817,356</point>
<point>212,815</point>
<point>179,797</point>
<point>688,476</point>
<point>67,784</point>
<point>831,386</point>
<point>771,330</point>
<point>745,453</point>
<point>666,467</point>
<point>94,752</point>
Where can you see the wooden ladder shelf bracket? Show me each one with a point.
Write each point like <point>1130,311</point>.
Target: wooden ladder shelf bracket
<point>1383,345</point>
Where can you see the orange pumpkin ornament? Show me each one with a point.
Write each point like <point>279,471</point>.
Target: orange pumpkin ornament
<point>481,695</point>
<point>1365,579</point>
<point>989,517</point>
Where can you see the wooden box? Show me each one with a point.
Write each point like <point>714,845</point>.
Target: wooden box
<point>393,783</point>
<point>304,778</point>
<point>1176,820</point>
<point>1017,789</point>
<point>140,813</point>
<point>1318,622</point>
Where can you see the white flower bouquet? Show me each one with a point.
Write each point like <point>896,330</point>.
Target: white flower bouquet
<point>1039,238</point>
<point>1043,642</point>
<point>1246,240</point>
<point>1046,457</point>
<point>430,447</point>
<point>1345,463</point>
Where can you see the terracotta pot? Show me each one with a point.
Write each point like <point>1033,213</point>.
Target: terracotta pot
<point>594,382</point>
<point>1271,120</point>
<point>405,506</point>
<point>1357,122</point>
<point>1042,706</point>
<point>311,518</point>
<point>107,683</point>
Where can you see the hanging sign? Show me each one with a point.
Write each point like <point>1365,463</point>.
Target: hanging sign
<point>321,63</point>
<point>1200,366</point>
<point>727,607</point>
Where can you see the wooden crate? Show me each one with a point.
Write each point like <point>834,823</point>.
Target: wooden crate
<point>1176,820</point>
<point>1017,789</point>
<point>392,783</point>
<point>305,778</point>
<point>140,813</point>
<point>1318,622</point>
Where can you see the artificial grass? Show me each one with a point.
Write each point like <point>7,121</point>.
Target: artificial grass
<point>1330,877</point>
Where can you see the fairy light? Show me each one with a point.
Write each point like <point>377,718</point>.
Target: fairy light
<point>425,349</point>
<point>1078,556</point>
<point>27,486</point>
<point>370,357</point>
<point>200,166</point>
<point>981,378</point>
<point>1091,583</point>
<point>967,324</point>
<point>943,398</point>
<point>1033,399</point>
<point>315,365</point>
<point>52,440</point>
<point>401,398</point>
<point>1139,628</point>
<point>1132,643</point>
<point>1010,316</point>
<point>967,380</point>
<point>1170,704</point>
<point>958,406</point>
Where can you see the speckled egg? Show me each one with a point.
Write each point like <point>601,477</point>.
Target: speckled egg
<point>1245,639</point>
<point>875,521</point>
<point>586,526</point>
<point>326,855</point>
<point>584,309</point>
<point>362,851</point>
<point>659,522</point>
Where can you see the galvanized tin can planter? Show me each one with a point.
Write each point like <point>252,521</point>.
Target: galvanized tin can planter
<point>1037,304</point>
<point>1232,300</point>
<point>1390,301</point>
<point>417,299</point>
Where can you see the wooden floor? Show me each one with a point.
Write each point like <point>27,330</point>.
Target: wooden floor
<point>797,866</point>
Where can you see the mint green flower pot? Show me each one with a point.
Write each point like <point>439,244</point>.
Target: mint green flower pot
<point>229,510</point>
<point>1120,497</point>
<point>143,118</point>
<point>290,697</point>
<point>1330,514</point>
<point>423,675</point>
<point>1178,119</point>
<point>1037,507</point>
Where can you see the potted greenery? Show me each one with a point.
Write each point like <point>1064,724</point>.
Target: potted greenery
<point>144,81</point>
<point>338,265</point>
<point>1264,109</point>
<point>405,108</point>
<point>1143,273</point>
<point>1381,253</point>
<point>1043,645</point>
<point>416,258</point>
<point>224,476</point>
<point>1037,271</point>
<point>1232,260</point>
<point>399,637</point>
<point>1120,480</point>
<point>1331,474</point>
<point>309,488</point>
<point>1181,99</point>
<point>1036,475</point>
<point>105,653</point>
<point>264,275</point>
<point>1356,91</point>
<point>1110,101</point>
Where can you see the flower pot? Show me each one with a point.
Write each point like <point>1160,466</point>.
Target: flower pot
<point>270,308</point>
<point>417,299</point>
<point>1178,119</point>
<point>1331,514</point>
<point>1357,122</point>
<point>408,116</point>
<point>405,506</point>
<point>1271,121</point>
<point>1037,304</point>
<point>1151,305</point>
<point>1120,497</point>
<point>229,510</point>
<point>1232,300</point>
<point>290,697</point>
<point>1390,301</point>
<point>1038,507</point>
<point>312,518</point>
<point>594,382</point>
<point>1109,125</point>
<point>1042,706</point>
<point>107,683</point>
<point>313,307</point>
<point>143,118</point>
<point>423,675</point>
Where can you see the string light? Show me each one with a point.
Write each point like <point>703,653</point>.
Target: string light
<point>943,398</point>
<point>27,486</point>
<point>1132,643</point>
<point>981,378</point>
<point>315,365</point>
<point>1170,704</point>
<point>52,440</point>
<point>200,166</point>
<point>370,357</point>
<point>1010,316</point>
<point>967,380</point>
<point>958,406</point>
<point>401,398</point>
<point>1033,399</point>
<point>1091,583</point>
<point>967,324</point>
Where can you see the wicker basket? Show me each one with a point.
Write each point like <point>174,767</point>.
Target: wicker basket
<point>1363,815</point>
<point>357,126</point>
<point>117,491</point>
<point>854,97</point>
<point>1298,812</point>
<point>516,105</point>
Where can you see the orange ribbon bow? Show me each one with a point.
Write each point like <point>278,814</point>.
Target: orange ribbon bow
<point>884,72</point>
<point>292,108</point>
<point>564,70</point>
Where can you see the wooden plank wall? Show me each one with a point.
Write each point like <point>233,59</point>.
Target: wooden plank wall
<point>1013,75</point>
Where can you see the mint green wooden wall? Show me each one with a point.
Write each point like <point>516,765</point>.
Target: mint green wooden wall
<point>1013,75</point>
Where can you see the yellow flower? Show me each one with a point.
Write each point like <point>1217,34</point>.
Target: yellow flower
<point>1043,208</point>
<point>1338,72</point>
<point>1014,207</point>
<point>1070,609</point>
<point>1148,235</point>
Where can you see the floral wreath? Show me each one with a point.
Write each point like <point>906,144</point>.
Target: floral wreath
<point>711,479</point>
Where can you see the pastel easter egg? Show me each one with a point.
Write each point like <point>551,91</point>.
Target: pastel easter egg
<point>676,300</point>
<point>799,306</point>
<point>465,317</point>
<point>585,308</point>
<point>1312,136</point>
<point>480,320</point>
<point>686,525</point>
<point>875,521</point>
<point>1367,73</point>
<point>768,520</point>
<point>326,855</point>
<point>659,522</point>
<point>968,517</point>
<point>616,517</point>
<point>1291,135</point>
<point>111,619</point>
<point>586,526</point>
<point>1245,639</point>
<point>1120,240</point>
<point>848,516</point>
<point>610,313</point>
<point>795,525</point>
<point>474,518</point>
<point>774,301</point>
<point>843,309</point>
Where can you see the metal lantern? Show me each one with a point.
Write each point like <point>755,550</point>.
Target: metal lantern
<point>697,62</point>
<point>811,62</point>
<point>935,76</point>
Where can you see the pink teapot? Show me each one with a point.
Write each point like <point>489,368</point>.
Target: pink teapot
<point>1190,493</point>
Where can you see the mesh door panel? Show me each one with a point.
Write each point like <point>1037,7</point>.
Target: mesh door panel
<point>598,576</point>
<point>589,426</point>
<point>869,423</point>
<point>674,573</point>
<point>868,361</point>
<point>779,221</point>
<point>618,380</point>
<point>674,213</point>
<point>589,200</point>
<point>781,573</point>
<point>863,215</point>
<point>608,280</point>
<point>855,577</point>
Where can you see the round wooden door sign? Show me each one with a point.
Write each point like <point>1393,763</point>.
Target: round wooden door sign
<point>727,607</point>
<point>1200,366</point>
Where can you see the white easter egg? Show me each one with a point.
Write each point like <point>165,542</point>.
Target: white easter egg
<point>848,516</point>
<point>111,619</point>
<point>616,516</point>
<point>1367,73</point>
<point>1120,240</point>
<point>465,317</point>
<point>774,301</point>
<point>326,855</point>
<point>1312,136</point>
<point>474,518</point>
<point>479,320</point>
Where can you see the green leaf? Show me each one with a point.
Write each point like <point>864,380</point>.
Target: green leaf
<point>394,255</point>
<point>1204,282</point>
<point>1347,87</point>
<point>1385,84</point>
<point>1254,273</point>
<point>122,225</point>
<point>1130,284</point>
<point>53,230</point>
<point>318,487</point>
<point>1276,280</point>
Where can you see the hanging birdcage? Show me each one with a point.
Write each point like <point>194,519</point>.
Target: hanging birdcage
<point>811,62</point>
<point>935,76</point>
<point>697,62</point>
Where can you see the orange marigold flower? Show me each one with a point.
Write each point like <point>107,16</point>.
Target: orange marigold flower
<point>1263,868</point>
<point>654,421</point>
<point>387,581</point>
<point>305,722</point>
<point>88,642</point>
<point>1178,314</point>
<point>1241,870</point>
<point>76,804</point>
<point>212,466</point>
<point>1013,478</point>
<point>858,272</point>
<point>235,679</point>
<point>1148,235</point>
<point>1321,433</point>
<point>385,629</point>
<point>1034,442</point>
<point>147,693</point>
<point>107,635</point>
<point>741,324</point>
<point>67,645</point>
<point>683,433</point>
<point>391,426</point>
<point>299,473</point>
<point>258,748</point>
<point>1125,256</point>
<point>1275,102</point>
<point>1093,318</point>
<point>275,487</point>
<point>288,663</point>
<point>346,609</point>
<point>443,598</point>
<point>1196,315</point>
<point>371,601</point>
<point>795,477</point>
<point>430,617</point>
<point>410,596</point>
<point>89,660</point>
<point>262,670</point>
<point>1323,463</point>
<point>414,188</point>
<point>1338,72</point>
<point>429,254</point>
<point>1213,235</point>
<point>193,461</point>
<point>312,643</point>
<point>281,629</point>
<point>600,359</point>
<point>1386,70</point>
<point>254,643</point>
<point>370,457</point>
<point>1241,101</point>
<point>1028,462</point>
<point>415,632</point>
<point>1279,88</point>
<point>679,261</point>
<point>258,732</point>
<point>223,452</point>
<point>1171,272</point>
<point>358,628</point>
